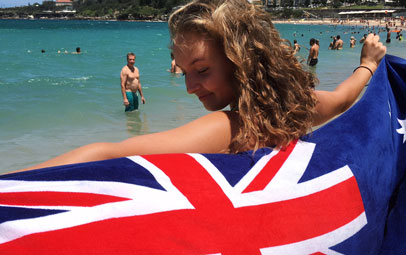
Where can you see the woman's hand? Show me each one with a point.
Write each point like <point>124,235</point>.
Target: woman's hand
<point>372,52</point>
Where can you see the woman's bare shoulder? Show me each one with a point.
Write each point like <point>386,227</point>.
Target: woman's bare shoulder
<point>211,133</point>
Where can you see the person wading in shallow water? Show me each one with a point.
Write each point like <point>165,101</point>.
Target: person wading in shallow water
<point>313,53</point>
<point>130,84</point>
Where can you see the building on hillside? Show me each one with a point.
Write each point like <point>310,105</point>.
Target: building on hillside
<point>63,3</point>
<point>371,14</point>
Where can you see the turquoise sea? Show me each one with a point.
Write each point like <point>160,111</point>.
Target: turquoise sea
<point>53,102</point>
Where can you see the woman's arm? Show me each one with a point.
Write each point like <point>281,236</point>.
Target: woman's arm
<point>209,134</point>
<point>332,103</point>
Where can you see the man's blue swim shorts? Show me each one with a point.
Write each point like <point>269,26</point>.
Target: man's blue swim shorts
<point>133,100</point>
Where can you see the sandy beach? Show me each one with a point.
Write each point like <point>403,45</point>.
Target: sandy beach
<point>392,23</point>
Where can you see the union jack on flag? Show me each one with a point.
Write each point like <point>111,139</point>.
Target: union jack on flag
<point>340,190</point>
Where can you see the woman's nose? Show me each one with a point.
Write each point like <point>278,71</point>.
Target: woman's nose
<point>192,85</point>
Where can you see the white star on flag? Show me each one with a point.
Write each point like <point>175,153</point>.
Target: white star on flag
<point>402,130</point>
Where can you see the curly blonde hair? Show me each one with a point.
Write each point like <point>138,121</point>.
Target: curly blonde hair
<point>276,103</point>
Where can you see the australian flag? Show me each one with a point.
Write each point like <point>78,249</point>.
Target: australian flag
<point>339,190</point>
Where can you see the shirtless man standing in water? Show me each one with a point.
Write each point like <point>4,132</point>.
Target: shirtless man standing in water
<point>339,43</point>
<point>313,53</point>
<point>130,83</point>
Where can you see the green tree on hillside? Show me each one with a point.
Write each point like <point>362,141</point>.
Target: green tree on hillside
<point>126,9</point>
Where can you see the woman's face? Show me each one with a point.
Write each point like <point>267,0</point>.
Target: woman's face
<point>208,72</point>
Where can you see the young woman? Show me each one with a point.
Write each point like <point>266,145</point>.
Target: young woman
<point>232,55</point>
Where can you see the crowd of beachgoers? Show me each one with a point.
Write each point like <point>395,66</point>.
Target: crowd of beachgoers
<point>393,23</point>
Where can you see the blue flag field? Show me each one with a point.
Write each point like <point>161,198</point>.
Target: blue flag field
<point>339,190</point>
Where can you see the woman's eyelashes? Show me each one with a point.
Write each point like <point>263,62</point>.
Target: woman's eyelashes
<point>203,70</point>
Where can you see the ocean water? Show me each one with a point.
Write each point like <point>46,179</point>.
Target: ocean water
<point>54,102</point>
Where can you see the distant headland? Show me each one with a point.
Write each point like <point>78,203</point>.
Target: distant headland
<point>159,10</point>
<point>147,10</point>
